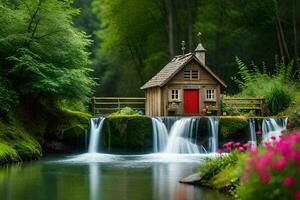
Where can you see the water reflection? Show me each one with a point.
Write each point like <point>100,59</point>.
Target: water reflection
<point>130,178</point>
<point>94,171</point>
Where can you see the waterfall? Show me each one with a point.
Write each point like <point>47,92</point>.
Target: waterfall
<point>169,121</point>
<point>182,137</point>
<point>273,127</point>
<point>160,135</point>
<point>95,132</point>
<point>213,134</point>
<point>252,132</point>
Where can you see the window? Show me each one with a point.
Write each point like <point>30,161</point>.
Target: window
<point>191,74</point>
<point>210,94</point>
<point>174,95</point>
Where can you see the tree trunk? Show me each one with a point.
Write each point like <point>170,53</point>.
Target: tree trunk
<point>190,5</point>
<point>171,28</point>
<point>295,30</point>
<point>279,42</point>
<point>282,36</point>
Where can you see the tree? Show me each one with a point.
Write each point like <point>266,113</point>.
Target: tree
<point>43,58</point>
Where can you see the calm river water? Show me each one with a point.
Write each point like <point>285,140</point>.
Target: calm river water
<point>103,176</point>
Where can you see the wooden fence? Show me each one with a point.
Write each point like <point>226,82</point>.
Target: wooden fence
<point>248,104</point>
<point>111,104</point>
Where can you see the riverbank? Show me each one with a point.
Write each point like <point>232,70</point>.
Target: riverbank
<point>30,134</point>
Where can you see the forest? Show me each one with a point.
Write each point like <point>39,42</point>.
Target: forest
<point>57,57</point>
<point>134,39</point>
<point>59,51</point>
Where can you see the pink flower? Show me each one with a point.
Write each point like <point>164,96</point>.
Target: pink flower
<point>246,145</point>
<point>267,144</point>
<point>237,144</point>
<point>244,179</point>
<point>297,195</point>
<point>264,177</point>
<point>220,151</point>
<point>247,169</point>
<point>253,151</point>
<point>273,138</point>
<point>228,144</point>
<point>288,181</point>
<point>228,149</point>
<point>240,149</point>
<point>280,164</point>
<point>290,125</point>
<point>259,132</point>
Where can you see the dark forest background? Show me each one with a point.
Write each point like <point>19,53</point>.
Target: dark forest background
<point>134,39</point>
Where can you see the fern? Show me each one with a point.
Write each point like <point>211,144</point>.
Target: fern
<point>244,72</point>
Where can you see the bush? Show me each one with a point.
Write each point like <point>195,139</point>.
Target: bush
<point>278,100</point>
<point>125,111</point>
<point>214,166</point>
<point>273,173</point>
<point>231,127</point>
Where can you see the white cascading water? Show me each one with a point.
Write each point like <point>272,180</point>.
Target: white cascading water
<point>273,127</point>
<point>169,121</point>
<point>213,134</point>
<point>252,132</point>
<point>181,137</point>
<point>95,134</point>
<point>160,135</point>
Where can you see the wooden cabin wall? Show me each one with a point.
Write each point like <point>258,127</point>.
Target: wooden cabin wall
<point>153,102</point>
<point>206,81</point>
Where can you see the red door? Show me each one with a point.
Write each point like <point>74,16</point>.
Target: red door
<point>191,101</point>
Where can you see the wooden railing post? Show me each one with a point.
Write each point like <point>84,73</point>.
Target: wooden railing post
<point>93,106</point>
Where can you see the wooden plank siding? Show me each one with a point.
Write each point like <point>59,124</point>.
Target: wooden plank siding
<point>154,102</point>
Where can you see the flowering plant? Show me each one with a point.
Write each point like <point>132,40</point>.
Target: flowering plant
<point>273,172</point>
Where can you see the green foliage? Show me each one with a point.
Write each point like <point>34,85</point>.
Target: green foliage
<point>295,118</point>
<point>273,172</point>
<point>127,132</point>
<point>278,88</point>
<point>16,137</point>
<point>42,56</point>
<point>233,126</point>
<point>125,111</point>
<point>214,166</point>
<point>8,99</point>
<point>8,154</point>
<point>278,100</point>
<point>244,73</point>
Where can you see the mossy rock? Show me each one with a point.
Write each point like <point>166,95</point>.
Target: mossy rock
<point>20,141</point>
<point>74,136</point>
<point>127,132</point>
<point>233,127</point>
<point>8,154</point>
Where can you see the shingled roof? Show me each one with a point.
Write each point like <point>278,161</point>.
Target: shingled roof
<point>172,68</point>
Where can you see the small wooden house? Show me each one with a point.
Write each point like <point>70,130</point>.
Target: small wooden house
<point>185,86</point>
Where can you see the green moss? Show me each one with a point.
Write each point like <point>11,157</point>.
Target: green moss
<point>18,140</point>
<point>8,154</point>
<point>130,132</point>
<point>225,179</point>
<point>231,127</point>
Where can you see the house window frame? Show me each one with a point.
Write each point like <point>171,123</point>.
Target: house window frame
<point>210,94</point>
<point>174,94</point>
